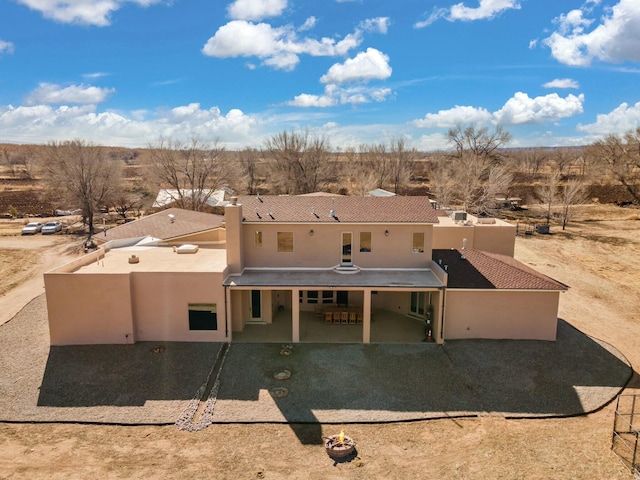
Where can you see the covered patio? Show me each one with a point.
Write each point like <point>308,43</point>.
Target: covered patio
<point>387,327</point>
<point>302,306</point>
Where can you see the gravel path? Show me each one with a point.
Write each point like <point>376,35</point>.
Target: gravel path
<point>132,384</point>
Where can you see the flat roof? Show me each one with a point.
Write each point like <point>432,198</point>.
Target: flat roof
<point>158,259</point>
<point>329,278</point>
<point>447,221</point>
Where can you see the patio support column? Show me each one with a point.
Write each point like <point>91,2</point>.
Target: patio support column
<point>366,317</point>
<point>295,315</point>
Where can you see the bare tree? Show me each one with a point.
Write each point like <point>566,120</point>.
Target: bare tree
<point>534,159</point>
<point>401,164</point>
<point>249,158</point>
<point>81,173</point>
<point>548,192</point>
<point>359,170</point>
<point>192,170</point>
<point>483,143</point>
<point>620,157</point>
<point>476,168</point>
<point>563,159</point>
<point>571,194</point>
<point>443,182</point>
<point>301,162</point>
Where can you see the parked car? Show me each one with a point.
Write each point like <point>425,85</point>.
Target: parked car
<point>51,227</point>
<point>32,228</point>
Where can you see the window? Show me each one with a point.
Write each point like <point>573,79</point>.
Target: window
<point>418,242</point>
<point>312,296</point>
<point>257,240</point>
<point>285,241</point>
<point>203,317</point>
<point>327,296</point>
<point>365,241</point>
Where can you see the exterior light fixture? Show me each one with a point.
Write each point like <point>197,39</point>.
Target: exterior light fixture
<point>386,233</point>
<point>311,232</point>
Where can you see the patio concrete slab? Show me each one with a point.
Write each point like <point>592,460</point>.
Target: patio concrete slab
<point>139,384</point>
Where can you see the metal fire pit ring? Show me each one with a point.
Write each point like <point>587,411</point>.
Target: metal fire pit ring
<point>337,448</point>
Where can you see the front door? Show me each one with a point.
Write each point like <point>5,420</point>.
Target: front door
<point>417,307</point>
<point>256,305</point>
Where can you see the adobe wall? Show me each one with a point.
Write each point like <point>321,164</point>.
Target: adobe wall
<point>89,309</point>
<point>161,305</point>
<point>323,248</point>
<point>500,314</point>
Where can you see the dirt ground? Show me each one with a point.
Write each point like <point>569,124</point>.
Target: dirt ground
<point>597,256</point>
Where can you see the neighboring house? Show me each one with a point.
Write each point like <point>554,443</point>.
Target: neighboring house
<point>215,198</point>
<point>305,269</point>
<point>379,192</point>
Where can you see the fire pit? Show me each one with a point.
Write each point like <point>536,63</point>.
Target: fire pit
<point>339,446</point>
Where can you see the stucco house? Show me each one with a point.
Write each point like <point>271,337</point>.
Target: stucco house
<point>303,269</point>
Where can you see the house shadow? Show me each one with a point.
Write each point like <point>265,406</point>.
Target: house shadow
<point>124,375</point>
<point>344,384</point>
<point>347,383</point>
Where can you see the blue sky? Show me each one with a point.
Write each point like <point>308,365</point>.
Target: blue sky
<point>127,72</point>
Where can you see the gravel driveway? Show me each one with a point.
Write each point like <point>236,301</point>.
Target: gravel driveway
<point>152,383</point>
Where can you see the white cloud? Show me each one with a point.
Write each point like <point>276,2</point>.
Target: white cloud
<point>562,83</point>
<point>369,65</point>
<point>615,39</point>
<point>377,25</point>
<point>308,24</point>
<point>308,100</point>
<point>38,123</point>
<point>337,95</point>
<point>453,116</point>
<point>278,47</point>
<point>620,120</point>
<point>6,47</point>
<point>84,12</point>
<point>433,142</point>
<point>521,109</point>
<point>49,93</point>
<point>95,75</point>
<point>486,9</point>
<point>518,110</point>
<point>256,9</point>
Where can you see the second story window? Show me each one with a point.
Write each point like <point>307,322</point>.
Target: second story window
<point>417,245</point>
<point>285,242</point>
<point>257,240</point>
<point>365,241</point>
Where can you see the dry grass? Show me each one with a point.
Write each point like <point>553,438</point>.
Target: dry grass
<point>16,266</point>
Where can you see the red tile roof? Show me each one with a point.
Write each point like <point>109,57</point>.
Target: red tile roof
<point>159,225</point>
<point>347,209</point>
<point>484,270</point>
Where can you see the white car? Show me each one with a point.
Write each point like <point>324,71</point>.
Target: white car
<point>51,227</point>
<point>31,228</point>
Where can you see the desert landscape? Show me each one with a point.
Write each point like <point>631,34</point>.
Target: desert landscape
<point>597,256</point>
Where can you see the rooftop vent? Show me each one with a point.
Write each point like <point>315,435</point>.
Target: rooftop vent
<point>459,216</point>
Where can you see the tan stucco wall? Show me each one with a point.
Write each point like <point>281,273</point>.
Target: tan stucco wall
<point>324,247</point>
<point>161,305</point>
<point>500,314</point>
<point>89,309</point>
<point>490,238</point>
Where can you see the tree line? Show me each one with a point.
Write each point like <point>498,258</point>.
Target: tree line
<point>473,175</point>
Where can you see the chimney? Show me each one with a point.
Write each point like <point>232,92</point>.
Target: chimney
<point>233,227</point>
